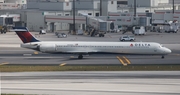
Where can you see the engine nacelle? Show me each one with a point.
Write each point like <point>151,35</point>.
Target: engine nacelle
<point>46,48</point>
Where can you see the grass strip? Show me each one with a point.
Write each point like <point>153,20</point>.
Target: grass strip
<point>12,94</point>
<point>18,94</point>
<point>6,68</point>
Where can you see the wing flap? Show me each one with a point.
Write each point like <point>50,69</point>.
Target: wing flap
<point>87,51</point>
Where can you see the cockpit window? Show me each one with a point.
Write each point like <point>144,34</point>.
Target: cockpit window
<point>162,45</point>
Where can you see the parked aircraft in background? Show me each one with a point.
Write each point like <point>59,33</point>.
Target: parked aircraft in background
<point>82,48</point>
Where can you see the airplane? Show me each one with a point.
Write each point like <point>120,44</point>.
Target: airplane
<point>83,47</point>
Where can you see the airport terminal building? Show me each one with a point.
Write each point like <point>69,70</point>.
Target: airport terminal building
<point>27,10</point>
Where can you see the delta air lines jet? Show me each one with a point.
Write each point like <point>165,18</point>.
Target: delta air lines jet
<point>81,47</point>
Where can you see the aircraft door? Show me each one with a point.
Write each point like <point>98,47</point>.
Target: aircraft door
<point>155,50</point>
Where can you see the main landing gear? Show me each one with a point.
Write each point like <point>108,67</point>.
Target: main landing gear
<point>162,57</point>
<point>80,56</point>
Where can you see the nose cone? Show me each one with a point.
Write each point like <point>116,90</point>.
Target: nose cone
<point>168,51</point>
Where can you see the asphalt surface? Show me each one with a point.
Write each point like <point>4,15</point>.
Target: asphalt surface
<point>92,83</point>
<point>68,59</point>
<point>11,53</point>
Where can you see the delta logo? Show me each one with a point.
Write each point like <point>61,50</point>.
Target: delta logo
<point>131,45</point>
<point>140,45</point>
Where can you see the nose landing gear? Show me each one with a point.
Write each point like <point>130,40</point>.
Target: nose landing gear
<point>162,57</point>
<point>80,56</point>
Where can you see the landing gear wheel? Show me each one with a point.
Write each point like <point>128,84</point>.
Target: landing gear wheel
<point>162,57</point>
<point>80,57</point>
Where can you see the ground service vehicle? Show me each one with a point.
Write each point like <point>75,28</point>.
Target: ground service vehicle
<point>127,38</point>
<point>61,35</point>
<point>139,30</point>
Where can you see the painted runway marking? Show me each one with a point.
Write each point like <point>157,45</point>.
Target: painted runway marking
<point>127,60</point>
<point>71,56</point>
<point>4,63</point>
<point>36,52</point>
<point>124,60</point>
<point>62,64</point>
<point>121,61</point>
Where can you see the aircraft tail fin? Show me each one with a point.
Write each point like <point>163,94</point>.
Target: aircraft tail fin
<point>24,34</point>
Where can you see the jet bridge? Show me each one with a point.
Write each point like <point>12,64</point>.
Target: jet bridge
<point>65,19</point>
<point>94,26</point>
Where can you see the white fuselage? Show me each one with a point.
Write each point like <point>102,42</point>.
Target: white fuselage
<point>98,47</point>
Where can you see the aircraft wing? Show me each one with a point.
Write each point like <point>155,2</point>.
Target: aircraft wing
<point>88,51</point>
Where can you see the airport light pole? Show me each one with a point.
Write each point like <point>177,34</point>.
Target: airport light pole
<point>173,6</point>
<point>100,7</point>
<point>134,8</point>
<point>74,23</point>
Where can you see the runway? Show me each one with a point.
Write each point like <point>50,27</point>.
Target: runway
<point>20,56</point>
<point>92,83</point>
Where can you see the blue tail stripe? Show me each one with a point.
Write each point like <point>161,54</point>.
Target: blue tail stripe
<point>25,35</point>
